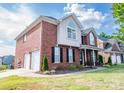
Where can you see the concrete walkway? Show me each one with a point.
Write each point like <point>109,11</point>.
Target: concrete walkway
<point>30,73</point>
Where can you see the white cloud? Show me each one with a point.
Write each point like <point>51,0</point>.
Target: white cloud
<point>7,50</point>
<point>13,22</point>
<point>1,41</point>
<point>88,17</point>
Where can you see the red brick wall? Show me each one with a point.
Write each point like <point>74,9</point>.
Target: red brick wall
<point>32,43</point>
<point>49,40</point>
<point>85,40</point>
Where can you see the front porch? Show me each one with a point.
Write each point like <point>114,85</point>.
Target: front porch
<point>89,56</point>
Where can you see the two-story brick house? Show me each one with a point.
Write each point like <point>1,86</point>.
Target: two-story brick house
<point>63,42</point>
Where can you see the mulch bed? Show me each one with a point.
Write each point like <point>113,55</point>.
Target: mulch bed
<point>71,71</point>
<point>57,72</point>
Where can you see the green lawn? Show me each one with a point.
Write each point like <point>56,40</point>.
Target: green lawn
<point>2,71</point>
<point>109,78</point>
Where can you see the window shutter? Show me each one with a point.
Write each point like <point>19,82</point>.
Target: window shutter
<point>73,55</point>
<point>67,56</point>
<point>53,54</point>
<point>61,55</point>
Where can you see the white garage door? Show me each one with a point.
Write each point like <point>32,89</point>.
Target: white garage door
<point>35,61</point>
<point>113,57</point>
<point>27,61</point>
<point>118,59</point>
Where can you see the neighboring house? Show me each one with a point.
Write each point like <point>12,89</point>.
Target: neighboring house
<point>121,47</point>
<point>111,48</point>
<point>1,60</point>
<point>8,59</point>
<point>63,41</point>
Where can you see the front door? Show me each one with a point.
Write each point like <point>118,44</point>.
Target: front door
<point>81,57</point>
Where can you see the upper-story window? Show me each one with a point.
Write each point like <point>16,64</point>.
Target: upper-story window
<point>92,39</point>
<point>25,38</point>
<point>71,30</point>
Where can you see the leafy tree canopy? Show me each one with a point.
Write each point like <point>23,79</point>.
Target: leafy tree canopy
<point>118,14</point>
<point>104,35</point>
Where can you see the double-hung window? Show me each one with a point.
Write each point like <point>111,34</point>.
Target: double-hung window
<point>70,52</point>
<point>92,39</point>
<point>57,55</point>
<point>71,30</point>
<point>70,55</point>
<point>71,33</point>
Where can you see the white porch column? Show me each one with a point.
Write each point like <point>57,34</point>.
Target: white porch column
<point>94,58</point>
<point>82,57</point>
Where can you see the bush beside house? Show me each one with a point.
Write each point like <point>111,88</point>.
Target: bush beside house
<point>72,67</point>
<point>3,67</point>
<point>110,61</point>
<point>101,59</point>
<point>45,66</point>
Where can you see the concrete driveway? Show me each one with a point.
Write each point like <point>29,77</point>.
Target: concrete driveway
<point>18,72</point>
<point>24,72</point>
<point>27,73</point>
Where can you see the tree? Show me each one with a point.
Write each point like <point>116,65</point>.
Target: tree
<point>45,66</point>
<point>118,14</point>
<point>101,59</point>
<point>105,35</point>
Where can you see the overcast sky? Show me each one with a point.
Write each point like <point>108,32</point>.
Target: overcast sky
<point>14,18</point>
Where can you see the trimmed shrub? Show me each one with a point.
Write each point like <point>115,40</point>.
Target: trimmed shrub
<point>72,67</point>
<point>110,61</point>
<point>45,66</point>
<point>101,59</point>
<point>80,66</point>
<point>3,67</point>
<point>61,68</point>
<point>107,66</point>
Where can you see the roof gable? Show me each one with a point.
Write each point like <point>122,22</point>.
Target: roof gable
<point>115,47</point>
<point>89,30</point>
<point>74,18</point>
<point>37,21</point>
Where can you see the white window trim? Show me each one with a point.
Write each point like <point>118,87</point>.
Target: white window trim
<point>56,62</point>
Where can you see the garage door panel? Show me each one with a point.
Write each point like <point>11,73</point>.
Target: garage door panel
<point>113,57</point>
<point>27,61</point>
<point>35,62</point>
<point>118,59</point>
